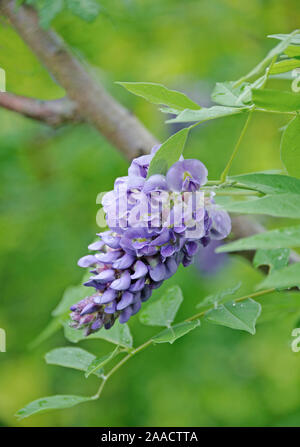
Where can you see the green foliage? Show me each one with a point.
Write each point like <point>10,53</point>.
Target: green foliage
<point>87,10</point>
<point>284,278</point>
<point>70,357</point>
<point>279,205</point>
<point>163,311</point>
<point>205,114</point>
<point>290,147</point>
<point>159,94</point>
<point>168,153</point>
<point>269,183</point>
<point>96,365</point>
<point>119,334</point>
<point>277,100</point>
<point>218,297</point>
<point>241,316</point>
<point>50,403</point>
<point>174,332</point>
<point>275,259</point>
<point>273,239</point>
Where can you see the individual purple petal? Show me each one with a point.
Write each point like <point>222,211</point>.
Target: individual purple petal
<point>105,276</point>
<point>98,245</point>
<point>146,293</point>
<point>191,248</point>
<point>109,257</point>
<point>187,260</point>
<point>125,315</point>
<point>221,223</point>
<point>163,238</point>
<point>171,266</point>
<point>167,250</point>
<point>97,324</point>
<point>110,240</point>
<point>87,261</point>
<point>158,273</point>
<point>125,301</point>
<point>89,309</point>
<point>108,296</point>
<point>187,175</point>
<point>135,181</point>
<point>122,283</point>
<point>94,283</point>
<point>140,269</point>
<point>124,262</point>
<point>137,285</point>
<point>136,307</point>
<point>156,182</point>
<point>111,308</point>
<point>139,166</point>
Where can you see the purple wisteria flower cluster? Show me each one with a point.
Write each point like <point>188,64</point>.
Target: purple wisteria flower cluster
<point>154,225</point>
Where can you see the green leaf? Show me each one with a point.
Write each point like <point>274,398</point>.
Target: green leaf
<point>50,403</point>
<point>279,205</point>
<point>292,51</point>
<point>119,334</point>
<point>70,357</point>
<point>290,147</point>
<point>206,114</point>
<point>226,94</point>
<point>87,10</point>
<point>47,11</point>
<point>275,259</point>
<point>286,39</point>
<point>269,183</point>
<point>98,363</point>
<point>284,66</point>
<point>174,332</point>
<point>159,94</point>
<point>283,279</point>
<point>168,153</point>
<point>293,38</point>
<point>163,311</point>
<point>218,297</point>
<point>273,239</point>
<point>241,316</point>
<point>277,100</point>
<point>71,295</point>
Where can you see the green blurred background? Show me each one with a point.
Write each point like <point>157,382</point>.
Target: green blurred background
<point>49,183</point>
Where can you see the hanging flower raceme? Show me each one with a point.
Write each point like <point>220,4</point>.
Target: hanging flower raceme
<point>155,224</point>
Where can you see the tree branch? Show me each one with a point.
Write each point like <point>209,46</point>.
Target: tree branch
<point>54,113</point>
<point>113,120</point>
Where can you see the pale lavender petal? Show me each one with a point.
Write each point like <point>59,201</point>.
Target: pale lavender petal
<point>97,245</point>
<point>137,285</point>
<point>125,301</point>
<point>158,273</point>
<point>167,250</point>
<point>140,269</point>
<point>156,182</point>
<point>108,296</point>
<point>124,262</point>
<point>109,257</point>
<point>87,261</point>
<point>105,276</point>
<point>187,175</point>
<point>121,283</point>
